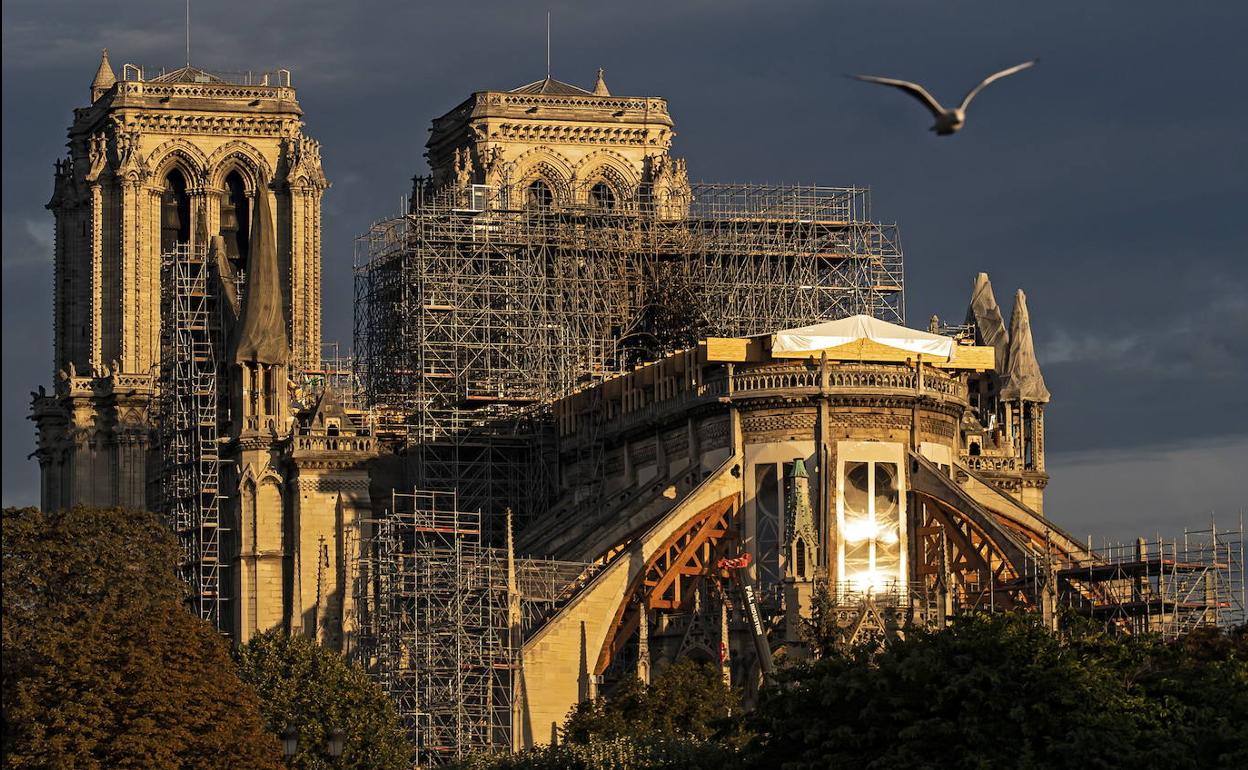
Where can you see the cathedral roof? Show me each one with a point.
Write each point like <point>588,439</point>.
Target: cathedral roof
<point>989,323</point>
<point>550,86</point>
<point>188,74</point>
<point>263,335</point>
<point>329,404</point>
<point>1022,380</point>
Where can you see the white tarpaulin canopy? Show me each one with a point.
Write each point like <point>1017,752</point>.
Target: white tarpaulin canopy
<point>832,334</point>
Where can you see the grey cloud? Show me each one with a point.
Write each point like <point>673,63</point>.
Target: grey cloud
<point>1127,493</point>
<point>1109,184</point>
<point>1210,339</point>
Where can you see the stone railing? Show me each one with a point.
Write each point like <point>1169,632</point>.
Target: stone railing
<point>990,463</point>
<point>655,107</point>
<point>210,90</point>
<point>845,377</point>
<point>334,444</point>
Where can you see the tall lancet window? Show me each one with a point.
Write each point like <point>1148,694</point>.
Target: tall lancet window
<point>235,219</point>
<point>871,525</point>
<point>175,212</point>
<point>539,196</point>
<point>602,197</point>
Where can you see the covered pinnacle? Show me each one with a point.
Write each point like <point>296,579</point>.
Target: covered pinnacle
<point>989,324</point>
<point>1023,381</point>
<point>262,338</point>
<point>104,77</point>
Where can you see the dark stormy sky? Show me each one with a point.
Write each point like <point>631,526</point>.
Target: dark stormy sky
<point>1109,181</point>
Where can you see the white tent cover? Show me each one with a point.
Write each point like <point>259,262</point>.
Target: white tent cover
<point>831,334</point>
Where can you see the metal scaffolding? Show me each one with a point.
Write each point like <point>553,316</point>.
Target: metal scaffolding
<point>188,408</point>
<point>1163,586</point>
<point>470,313</point>
<point>443,645</point>
<point>442,619</point>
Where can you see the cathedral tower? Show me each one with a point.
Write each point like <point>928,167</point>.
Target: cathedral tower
<point>152,160</point>
<point>553,144</point>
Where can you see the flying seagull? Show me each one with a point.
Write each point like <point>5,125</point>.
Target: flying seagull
<point>947,121</point>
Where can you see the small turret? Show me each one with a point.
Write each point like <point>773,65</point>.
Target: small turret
<point>801,539</point>
<point>1022,380</point>
<point>104,77</point>
<point>1024,396</point>
<point>262,348</point>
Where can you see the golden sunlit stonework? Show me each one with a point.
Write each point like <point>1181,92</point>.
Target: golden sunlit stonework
<point>599,418</point>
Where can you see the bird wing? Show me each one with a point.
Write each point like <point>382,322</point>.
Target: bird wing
<point>1003,73</point>
<point>914,89</point>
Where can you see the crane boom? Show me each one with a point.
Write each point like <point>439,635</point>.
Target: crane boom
<point>738,569</point>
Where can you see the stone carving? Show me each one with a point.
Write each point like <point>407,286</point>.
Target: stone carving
<point>463,169</point>
<point>936,427</point>
<point>129,164</point>
<point>303,162</point>
<point>97,156</point>
<point>492,163</point>
<point>64,191</point>
<point>861,421</point>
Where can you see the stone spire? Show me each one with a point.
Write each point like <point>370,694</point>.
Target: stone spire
<point>104,77</point>
<point>600,87</point>
<point>989,324</point>
<point>262,338</point>
<point>1022,380</point>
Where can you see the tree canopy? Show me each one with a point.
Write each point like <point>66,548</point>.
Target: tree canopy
<point>689,718</point>
<point>687,699</point>
<point>104,666</point>
<point>1001,691</point>
<point>315,690</point>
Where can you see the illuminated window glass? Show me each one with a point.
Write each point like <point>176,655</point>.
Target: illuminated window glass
<point>870,532</point>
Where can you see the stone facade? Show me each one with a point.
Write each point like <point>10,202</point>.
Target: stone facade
<point>183,158</point>
<point>557,144</point>
<point>150,162</point>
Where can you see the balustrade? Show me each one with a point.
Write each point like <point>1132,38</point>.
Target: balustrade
<point>802,376</point>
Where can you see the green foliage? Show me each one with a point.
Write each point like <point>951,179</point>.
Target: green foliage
<point>654,752</point>
<point>103,665</point>
<point>303,684</point>
<point>1001,691</point>
<point>820,631</point>
<point>687,720</point>
<point>687,700</point>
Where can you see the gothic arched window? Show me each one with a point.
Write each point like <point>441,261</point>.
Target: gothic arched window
<point>235,219</point>
<point>175,212</point>
<point>539,196</point>
<point>602,197</point>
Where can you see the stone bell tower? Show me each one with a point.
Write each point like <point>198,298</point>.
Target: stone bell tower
<point>151,160</point>
<point>550,144</point>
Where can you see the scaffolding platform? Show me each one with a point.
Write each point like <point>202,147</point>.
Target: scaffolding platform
<point>469,320</point>
<point>1162,586</point>
<point>188,404</point>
